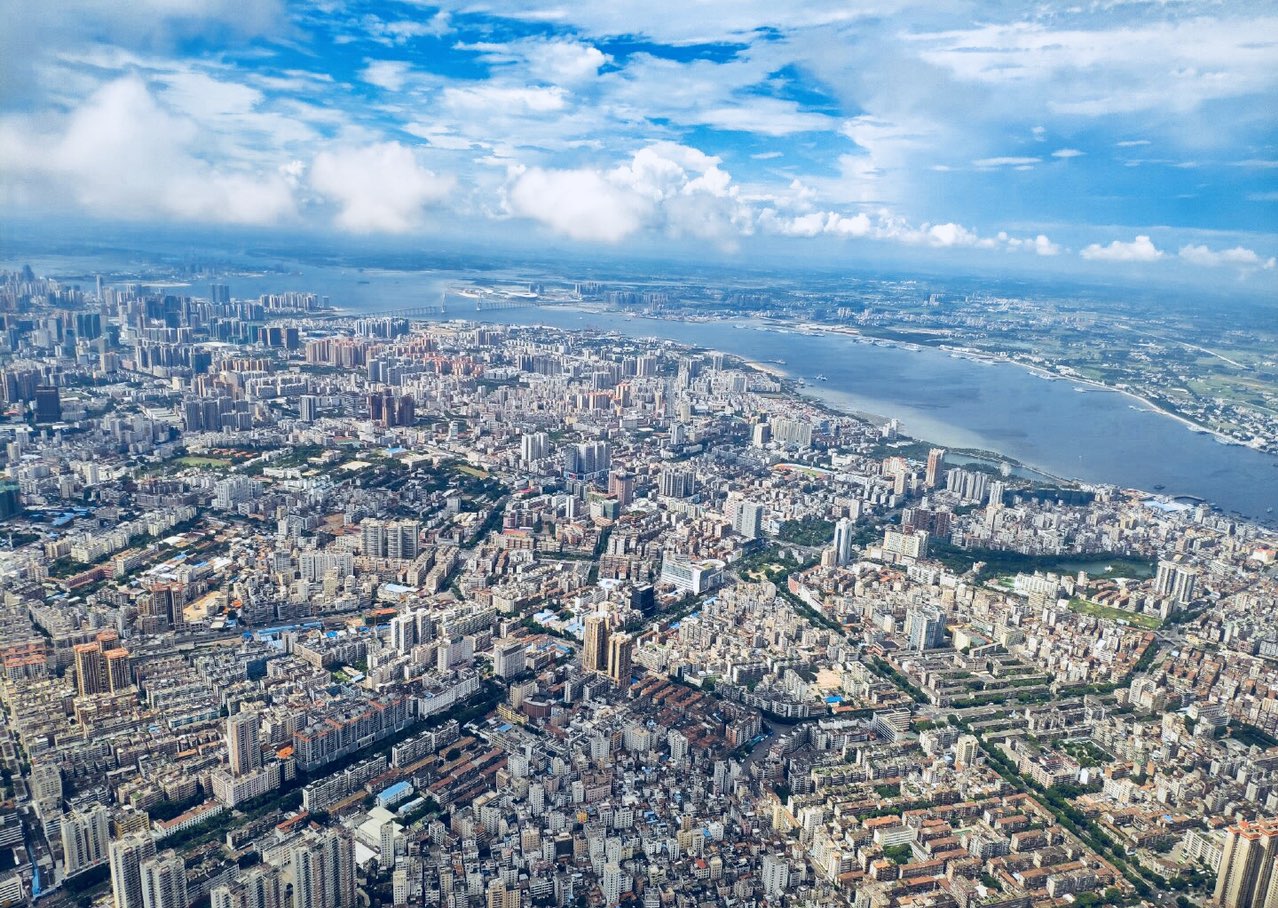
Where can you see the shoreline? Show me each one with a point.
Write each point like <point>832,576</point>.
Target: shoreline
<point>816,328</point>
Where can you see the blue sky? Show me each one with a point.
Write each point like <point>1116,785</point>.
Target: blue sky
<point>1117,138</point>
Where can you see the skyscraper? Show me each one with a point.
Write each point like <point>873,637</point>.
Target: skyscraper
<point>307,407</point>
<point>127,855</point>
<point>621,649</point>
<point>1246,877</point>
<point>843,541</point>
<point>48,404</point>
<point>594,653</point>
<point>163,879</point>
<point>244,753</point>
<point>935,467</point>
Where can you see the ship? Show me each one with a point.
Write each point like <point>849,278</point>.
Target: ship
<point>821,378</point>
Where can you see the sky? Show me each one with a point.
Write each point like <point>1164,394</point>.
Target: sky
<point>1130,140</point>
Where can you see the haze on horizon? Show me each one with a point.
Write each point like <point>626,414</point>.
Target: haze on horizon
<point>1125,142</point>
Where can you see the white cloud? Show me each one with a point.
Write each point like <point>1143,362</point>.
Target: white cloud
<point>1239,255</point>
<point>388,74</point>
<point>989,163</point>
<point>671,188</point>
<point>487,99</point>
<point>580,204</point>
<point>1132,143</point>
<point>1140,249</point>
<point>378,188</point>
<point>124,154</point>
<point>1068,153</point>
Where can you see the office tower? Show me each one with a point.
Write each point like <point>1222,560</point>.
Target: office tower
<point>119,672</point>
<point>621,649</point>
<point>86,838</point>
<point>308,407</point>
<point>935,467</point>
<point>127,855</point>
<point>261,887</point>
<point>163,879</point>
<point>924,628</point>
<point>48,404</point>
<point>1246,878</point>
<point>594,653</point>
<point>90,669</point>
<point>966,750</point>
<point>843,541</point>
<point>244,753</point>
<point>323,870</point>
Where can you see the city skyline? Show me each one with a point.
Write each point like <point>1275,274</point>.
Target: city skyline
<point>1127,143</point>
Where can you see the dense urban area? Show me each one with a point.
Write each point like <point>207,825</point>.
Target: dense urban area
<point>309,610</point>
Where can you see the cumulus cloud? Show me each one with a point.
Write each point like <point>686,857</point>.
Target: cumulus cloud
<point>378,188</point>
<point>665,186</point>
<point>1140,249</point>
<point>1239,255</point>
<point>124,154</point>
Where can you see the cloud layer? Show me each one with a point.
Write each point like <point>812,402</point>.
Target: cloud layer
<point>719,123</point>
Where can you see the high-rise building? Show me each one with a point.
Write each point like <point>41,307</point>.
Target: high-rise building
<point>163,879</point>
<point>90,669</point>
<point>533,447</point>
<point>924,628</point>
<point>905,544</point>
<point>760,435</point>
<point>1246,877</point>
<point>244,752</point>
<point>587,460</point>
<point>748,519</point>
<point>86,838</point>
<point>127,855</point>
<point>621,649</point>
<point>261,887</point>
<point>935,467</point>
<point>843,541</point>
<point>308,407</point>
<point>594,651</point>
<point>775,875</point>
<point>1175,581</point>
<point>119,672</point>
<point>322,868</point>
<point>677,483</point>
<point>48,404</point>
<point>621,484</point>
<point>966,750</point>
